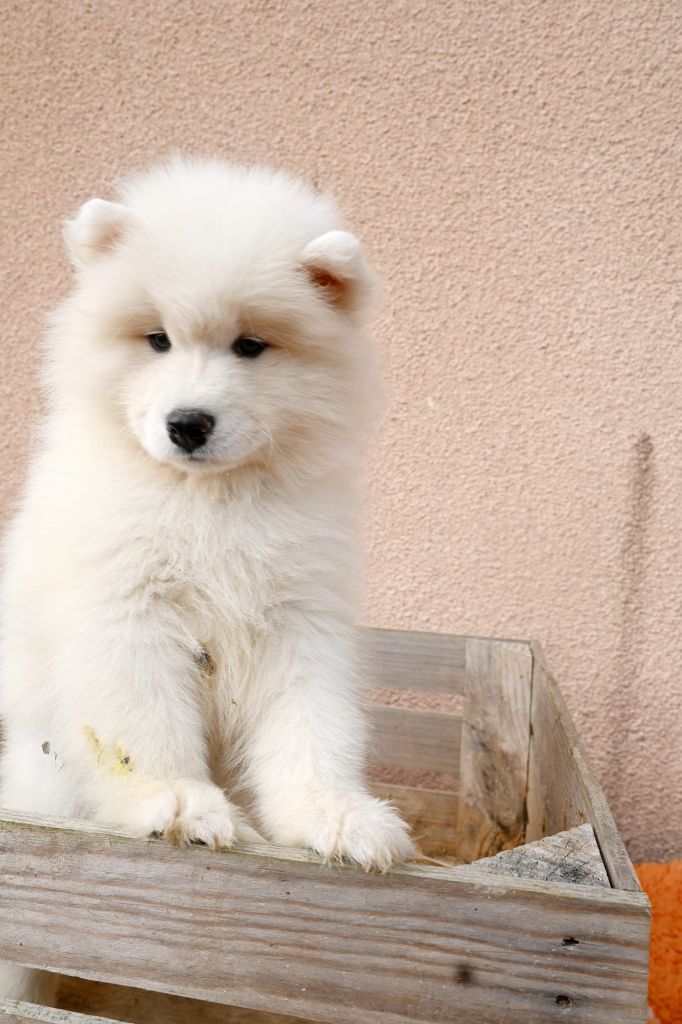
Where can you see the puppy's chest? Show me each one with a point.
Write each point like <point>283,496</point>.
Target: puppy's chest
<point>226,655</point>
<point>223,583</point>
<point>226,608</point>
<point>227,583</point>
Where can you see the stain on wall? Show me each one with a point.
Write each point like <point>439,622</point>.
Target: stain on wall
<point>514,169</point>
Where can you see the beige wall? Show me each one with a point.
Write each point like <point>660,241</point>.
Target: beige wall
<point>514,168</point>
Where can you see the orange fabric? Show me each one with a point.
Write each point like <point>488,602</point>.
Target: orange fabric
<point>663,885</point>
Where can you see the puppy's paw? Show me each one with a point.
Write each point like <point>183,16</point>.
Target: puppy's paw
<point>365,831</point>
<point>204,816</point>
<point>146,809</point>
<point>185,812</point>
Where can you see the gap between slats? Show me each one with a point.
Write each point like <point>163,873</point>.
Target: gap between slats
<point>414,762</point>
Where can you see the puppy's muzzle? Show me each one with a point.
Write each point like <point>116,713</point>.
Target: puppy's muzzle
<point>189,428</point>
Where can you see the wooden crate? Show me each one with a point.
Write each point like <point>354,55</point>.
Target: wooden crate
<point>555,930</point>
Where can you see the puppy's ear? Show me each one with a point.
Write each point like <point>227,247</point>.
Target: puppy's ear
<point>95,230</point>
<point>335,264</point>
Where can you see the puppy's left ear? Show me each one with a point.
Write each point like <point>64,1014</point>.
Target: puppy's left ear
<point>336,265</point>
<point>95,230</point>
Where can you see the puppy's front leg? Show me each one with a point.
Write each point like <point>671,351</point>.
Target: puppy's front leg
<point>131,730</point>
<point>307,751</point>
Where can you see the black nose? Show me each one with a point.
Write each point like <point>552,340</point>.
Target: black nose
<point>189,428</point>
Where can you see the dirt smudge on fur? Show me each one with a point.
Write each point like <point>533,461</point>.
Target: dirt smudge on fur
<point>113,759</point>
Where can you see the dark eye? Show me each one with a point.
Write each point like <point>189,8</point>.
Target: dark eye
<point>159,341</point>
<point>248,348</point>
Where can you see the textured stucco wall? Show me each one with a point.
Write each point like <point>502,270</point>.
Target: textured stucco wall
<point>514,168</point>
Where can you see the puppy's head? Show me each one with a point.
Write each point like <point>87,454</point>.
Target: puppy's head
<point>216,318</point>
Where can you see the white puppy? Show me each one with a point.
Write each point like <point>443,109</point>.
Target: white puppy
<point>177,612</point>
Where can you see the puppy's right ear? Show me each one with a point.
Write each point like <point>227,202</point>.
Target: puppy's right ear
<point>95,230</point>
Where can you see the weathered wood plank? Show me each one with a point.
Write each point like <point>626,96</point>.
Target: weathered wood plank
<point>430,813</point>
<point>13,1012</point>
<point>419,741</point>
<point>562,788</point>
<point>139,1006</point>
<point>571,856</point>
<point>430,662</point>
<point>495,740</point>
<point>422,945</point>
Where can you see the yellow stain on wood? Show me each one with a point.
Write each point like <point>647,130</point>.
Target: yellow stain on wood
<point>113,759</point>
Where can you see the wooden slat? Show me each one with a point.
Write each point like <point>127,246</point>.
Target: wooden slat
<point>13,1012</point>
<point>431,814</point>
<point>562,788</point>
<point>419,741</point>
<point>422,945</point>
<point>571,856</point>
<point>430,662</point>
<point>495,740</point>
<point>139,1006</point>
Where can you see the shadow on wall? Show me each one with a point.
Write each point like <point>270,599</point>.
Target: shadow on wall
<point>629,663</point>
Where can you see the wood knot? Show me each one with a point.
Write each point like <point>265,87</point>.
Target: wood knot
<point>464,975</point>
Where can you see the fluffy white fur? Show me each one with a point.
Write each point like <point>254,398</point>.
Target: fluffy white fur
<point>177,629</point>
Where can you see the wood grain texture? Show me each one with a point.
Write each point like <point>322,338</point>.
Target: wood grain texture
<point>419,741</point>
<point>13,1012</point>
<point>562,789</point>
<point>430,813</point>
<point>571,856</point>
<point>495,740</point>
<point>430,662</point>
<point>422,945</point>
